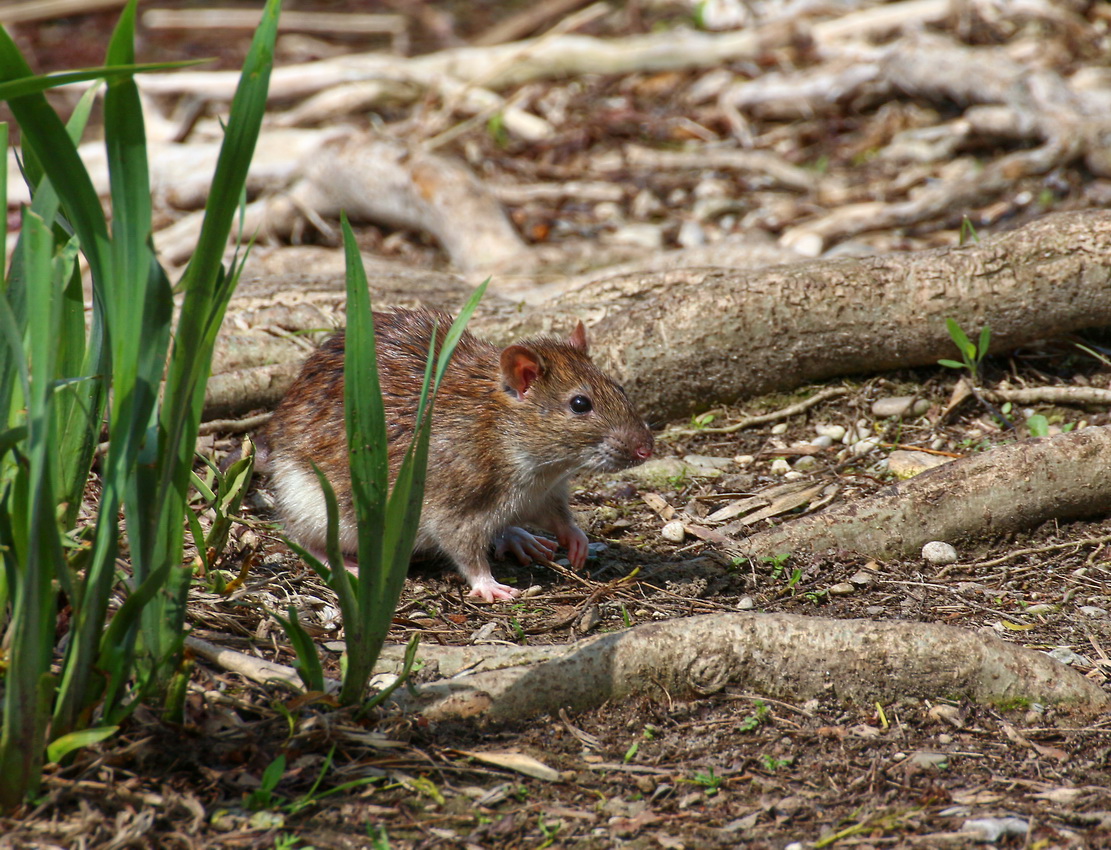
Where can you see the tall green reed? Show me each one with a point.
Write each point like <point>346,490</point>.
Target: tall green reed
<point>56,379</point>
<point>388,519</point>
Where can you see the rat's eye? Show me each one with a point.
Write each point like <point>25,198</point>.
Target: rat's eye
<point>581,404</point>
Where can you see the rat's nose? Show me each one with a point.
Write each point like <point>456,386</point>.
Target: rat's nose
<point>643,451</point>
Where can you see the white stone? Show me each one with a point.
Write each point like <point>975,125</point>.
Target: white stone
<point>940,553</point>
<point>806,462</point>
<point>780,466</point>
<point>834,432</point>
<point>899,406</point>
<point>822,441</point>
<point>862,447</point>
<point>641,234</point>
<point>673,531</point>
<point>779,428</point>
<point>691,234</point>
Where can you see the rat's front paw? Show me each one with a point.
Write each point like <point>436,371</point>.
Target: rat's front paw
<point>525,547</point>
<point>489,590</point>
<point>574,540</point>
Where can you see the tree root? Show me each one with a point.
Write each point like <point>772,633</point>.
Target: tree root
<point>1001,491</point>
<point>782,656</point>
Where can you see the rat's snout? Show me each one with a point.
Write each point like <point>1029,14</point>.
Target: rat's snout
<point>643,449</point>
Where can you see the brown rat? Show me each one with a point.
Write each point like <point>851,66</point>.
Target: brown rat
<point>509,428</point>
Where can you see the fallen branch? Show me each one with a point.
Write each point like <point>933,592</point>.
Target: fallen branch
<point>1051,395</point>
<point>1007,489</point>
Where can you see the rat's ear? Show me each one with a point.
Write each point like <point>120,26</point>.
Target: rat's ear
<point>578,338</point>
<point>520,367</point>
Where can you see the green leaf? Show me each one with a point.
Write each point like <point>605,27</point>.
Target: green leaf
<point>952,364</point>
<point>958,335</point>
<point>308,659</point>
<point>31,85</point>
<point>1037,425</point>
<point>985,342</point>
<point>365,416</point>
<point>61,747</point>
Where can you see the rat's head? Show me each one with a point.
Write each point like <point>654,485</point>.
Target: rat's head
<point>572,414</point>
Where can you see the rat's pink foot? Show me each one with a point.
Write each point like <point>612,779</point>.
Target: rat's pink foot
<point>349,561</point>
<point>574,540</point>
<point>525,547</point>
<point>489,590</point>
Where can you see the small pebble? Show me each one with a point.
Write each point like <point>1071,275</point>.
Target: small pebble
<point>899,406</point>
<point>862,447</point>
<point>673,531</point>
<point>779,428</point>
<point>744,460</point>
<point>1092,611</point>
<point>822,441</point>
<point>691,234</point>
<point>806,244</point>
<point>1041,608</point>
<point>834,432</point>
<point>937,552</point>
<point>780,466</point>
<point>745,603</point>
<point>593,550</point>
<point>1067,656</point>
<point>792,476</point>
<point>843,588</point>
<point>806,462</point>
<point>640,234</point>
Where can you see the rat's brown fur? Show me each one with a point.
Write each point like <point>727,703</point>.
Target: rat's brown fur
<point>504,440</point>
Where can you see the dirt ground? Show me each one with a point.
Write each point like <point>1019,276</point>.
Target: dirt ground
<point>738,769</point>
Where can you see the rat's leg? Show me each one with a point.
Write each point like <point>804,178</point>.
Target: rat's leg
<point>467,549</point>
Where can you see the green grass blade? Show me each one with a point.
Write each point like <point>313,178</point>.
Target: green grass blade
<point>368,449</point>
<point>63,746</point>
<point>308,659</point>
<point>985,342</point>
<point>247,108</point>
<point>36,547</point>
<point>207,290</point>
<point>45,135</point>
<point>44,200</point>
<point>3,197</point>
<point>30,85</point>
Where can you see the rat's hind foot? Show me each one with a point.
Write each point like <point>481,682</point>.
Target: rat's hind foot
<point>349,561</point>
<point>489,590</point>
<point>525,547</point>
